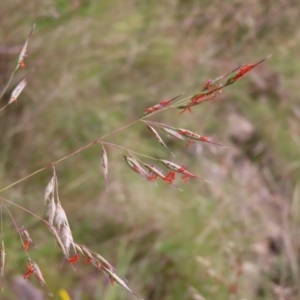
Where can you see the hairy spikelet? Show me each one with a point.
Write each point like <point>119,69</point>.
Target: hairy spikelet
<point>51,211</point>
<point>17,91</point>
<point>54,231</point>
<point>104,163</point>
<point>102,264</point>
<point>23,52</point>
<point>35,269</point>
<point>60,217</point>
<point>50,190</point>
<point>173,133</point>
<point>157,136</point>
<point>66,237</point>
<point>135,165</point>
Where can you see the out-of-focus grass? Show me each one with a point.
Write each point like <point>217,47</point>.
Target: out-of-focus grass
<point>98,64</point>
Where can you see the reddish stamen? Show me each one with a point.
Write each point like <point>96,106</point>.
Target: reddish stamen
<point>29,272</point>
<point>26,245</point>
<point>170,177</point>
<point>74,259</point>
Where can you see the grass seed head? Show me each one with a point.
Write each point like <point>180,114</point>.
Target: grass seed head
<point>17,91</point>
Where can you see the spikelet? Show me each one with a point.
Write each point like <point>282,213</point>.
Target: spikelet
<point>23,52</point>
<point>154,173</point>
<point>157,136</point>
<point>50,188</point>
<point>242,71</point>
<point>158,106</point>
<point>173,133</point>
<point>195,136</point>
<point>66,238</point>
<point>26,237</point>
<point>53,230</point>
<point>51,211</point>
<point>135,166</point>
<point>104,163</point>
<point>17,91</point>
<point>33,268</point>
<point>97,260</point>
<point>49,198</point>
<point>60,217</point>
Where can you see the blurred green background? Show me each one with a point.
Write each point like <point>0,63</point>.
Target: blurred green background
<point>97,66</point>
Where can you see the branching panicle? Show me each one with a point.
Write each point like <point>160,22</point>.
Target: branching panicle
<point>56,217</point>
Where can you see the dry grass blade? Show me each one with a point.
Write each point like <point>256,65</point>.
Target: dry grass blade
<point>104,163</point>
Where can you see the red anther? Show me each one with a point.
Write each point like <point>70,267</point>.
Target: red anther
<point>170,177</point>
<point>29,272</point>
<point>74,259</point>
<point>26,245</point>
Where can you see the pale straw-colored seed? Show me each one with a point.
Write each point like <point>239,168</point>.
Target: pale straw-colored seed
<point>50,189</point>
<point>23,52</point>
<point>157,136</point>
<point>173,133</point>
<point>26,235</point>
<point>60,216</point>
<point>120,281</point>
<point>66,237</point>
<point>96,258</point>
<point>58,239</point>
<point>134,164</point>
<point>39,275</point>
<point>17,91</point>
<point>153,170</point>
<point>171,165</point>
<point>51,210</point>
<point>104,163</point>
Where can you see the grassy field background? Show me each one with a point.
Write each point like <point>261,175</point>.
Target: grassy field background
<point>97,66</point>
